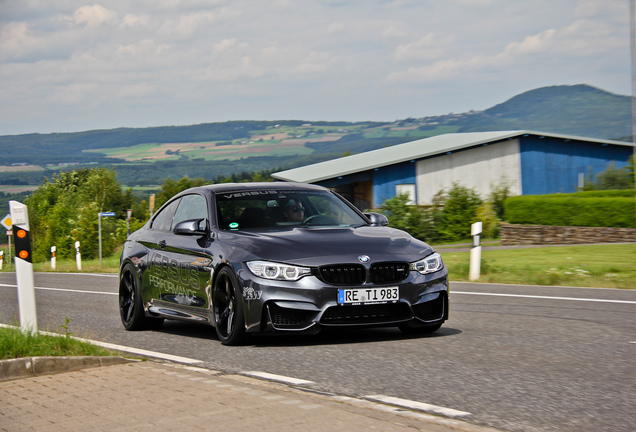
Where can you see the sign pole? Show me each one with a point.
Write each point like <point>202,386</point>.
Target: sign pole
<point>99,230</point>
<point>24,267</point>
<point>6,222</point>
<point>152,204</point>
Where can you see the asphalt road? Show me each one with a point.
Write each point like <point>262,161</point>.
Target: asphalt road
<point>518,358</point>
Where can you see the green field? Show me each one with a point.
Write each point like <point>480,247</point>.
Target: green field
<point>207,151</point>
<point>603,266</point>
<point>279,141</point>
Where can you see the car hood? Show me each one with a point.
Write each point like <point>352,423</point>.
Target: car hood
<point>322,246</point>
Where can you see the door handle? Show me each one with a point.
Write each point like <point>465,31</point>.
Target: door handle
<point>162,244</point>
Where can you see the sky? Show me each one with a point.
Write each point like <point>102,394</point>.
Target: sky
<point>76,65</point>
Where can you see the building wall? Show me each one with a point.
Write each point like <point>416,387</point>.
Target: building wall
<point>356,188</point>
<point>386,178</point>
<point>477,168</point>
<point>553,165</point>
<point>530,165</point>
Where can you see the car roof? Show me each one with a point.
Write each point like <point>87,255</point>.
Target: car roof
<point>240,187</point>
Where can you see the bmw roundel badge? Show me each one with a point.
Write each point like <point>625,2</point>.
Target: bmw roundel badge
<point>364,258</point>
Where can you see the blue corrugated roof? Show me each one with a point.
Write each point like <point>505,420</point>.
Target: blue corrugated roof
<point>409,151</point>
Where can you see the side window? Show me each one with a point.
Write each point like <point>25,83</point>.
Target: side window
<point>192,207</point>
<point>163,219</point>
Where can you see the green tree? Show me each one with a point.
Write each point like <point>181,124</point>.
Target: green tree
<point>64,210</point>
<point>459,211</point>
<point>402,215</point>
<point>498,195</point>
<point>612,178</point>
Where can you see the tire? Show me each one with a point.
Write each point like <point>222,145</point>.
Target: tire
<point>409,330</point>
<point>131,309</point>
<point>227,302</point>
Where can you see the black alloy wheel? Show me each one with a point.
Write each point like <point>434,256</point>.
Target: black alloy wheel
<point>228,309</point>
<point>131,305</point>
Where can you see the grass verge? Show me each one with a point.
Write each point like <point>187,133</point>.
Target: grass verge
<point>108,265</point>
<point>15,344</point>
<point>602,266</point>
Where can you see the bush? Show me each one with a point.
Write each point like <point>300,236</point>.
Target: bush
<point>413,219</point>
<point>449,218</point>
<point>571,211</point>
<point>598,194</point>
<point>490,223</point>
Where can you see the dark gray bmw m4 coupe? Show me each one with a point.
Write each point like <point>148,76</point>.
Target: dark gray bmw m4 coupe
<point>254,258</point>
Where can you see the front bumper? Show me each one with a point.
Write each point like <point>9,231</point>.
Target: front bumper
<point>307,305</point>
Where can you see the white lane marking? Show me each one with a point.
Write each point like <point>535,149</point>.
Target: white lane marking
<point>111,275</point>
<point>141,352</point>
<point>419,406</point>
<point>546,297</point>
<point>278,378</point>
<point>452,292</point>
<point>534,286</point>
<point>64,289</point>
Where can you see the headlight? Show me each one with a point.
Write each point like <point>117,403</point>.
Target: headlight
<point>277,271</point>
<point>430,264</point>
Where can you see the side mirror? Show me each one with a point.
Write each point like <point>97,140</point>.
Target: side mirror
<point>190,227</point>
<point>377,219</point>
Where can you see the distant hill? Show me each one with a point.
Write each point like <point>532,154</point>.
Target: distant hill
<point>574,110</point>
<point>146,156</point>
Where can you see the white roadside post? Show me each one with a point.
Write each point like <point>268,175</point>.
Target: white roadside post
<point>78,256</point>
<point>475,252</point>
<point>128,216</point>
<point>53,249</point>
<point>1,258</point>
<point>24,267</point>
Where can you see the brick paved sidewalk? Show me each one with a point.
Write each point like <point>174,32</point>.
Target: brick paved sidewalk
<point>151,396</point>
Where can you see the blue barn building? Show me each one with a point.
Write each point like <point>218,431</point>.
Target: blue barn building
<point>530,163</point>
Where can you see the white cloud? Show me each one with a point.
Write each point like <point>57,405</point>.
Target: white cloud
<point>538,43</point>
<point>94,15</point>
<point>134,20</point>
<point>429,47</point>
<point>67,64</point>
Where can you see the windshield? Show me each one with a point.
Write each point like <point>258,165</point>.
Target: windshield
<point>272,209</point>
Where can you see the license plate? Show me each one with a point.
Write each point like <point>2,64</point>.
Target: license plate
<point>368,295</point>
